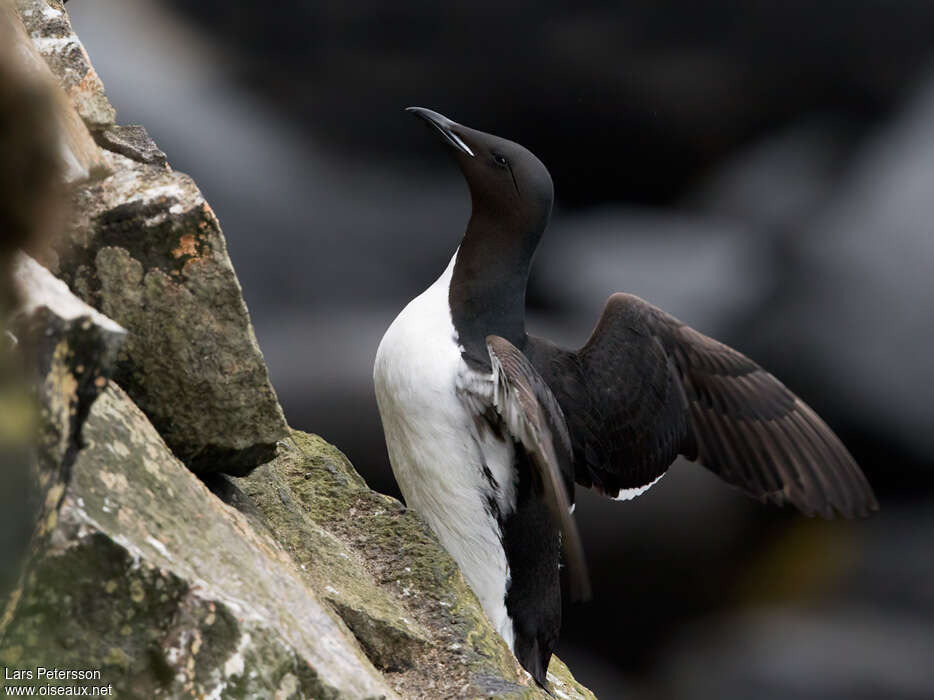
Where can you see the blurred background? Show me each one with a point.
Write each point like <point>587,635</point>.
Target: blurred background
<point>764,171</point>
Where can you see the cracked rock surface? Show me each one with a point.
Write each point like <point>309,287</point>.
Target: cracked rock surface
<point>149,577</point>
<point>144,247</point>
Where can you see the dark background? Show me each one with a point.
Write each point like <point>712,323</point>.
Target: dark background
<point>765,171</point>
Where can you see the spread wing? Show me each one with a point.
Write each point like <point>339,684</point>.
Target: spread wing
<point>646,387</point>
<point>532,416</point>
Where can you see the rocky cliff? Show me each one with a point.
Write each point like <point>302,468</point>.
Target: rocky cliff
<point>184,541</point>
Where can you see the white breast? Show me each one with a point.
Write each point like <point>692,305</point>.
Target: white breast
<point>436,451</point>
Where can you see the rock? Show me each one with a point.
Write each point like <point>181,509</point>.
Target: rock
<point>74,349</point>
<point>183,608</point>
<point>144,574</point>
<point>51,32</point>
<point>30,164</point>
<point>386,575</point>
<point>146,248</point>
<point>29,175</point>
<point>78,152</point>
<point>18,489</point>
<point>37,288</point>
<point>133,142</point>
<point>377,619</point>
<point>150,578</point>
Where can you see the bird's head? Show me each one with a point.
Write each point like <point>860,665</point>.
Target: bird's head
<point>507,182</point>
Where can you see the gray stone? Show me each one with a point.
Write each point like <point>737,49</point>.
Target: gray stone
<point>133,142</point>
<point>165,269</point>
<point>29,174</point>
<point>78,155</point>
<point>30,166</point>
<point>146,249</point>
<point>51,32</point>
<point>386,575</point>
<point>73,349</point>
<point>145,575</point>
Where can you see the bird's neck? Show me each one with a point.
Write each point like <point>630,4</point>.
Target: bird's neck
<point>488,285</point>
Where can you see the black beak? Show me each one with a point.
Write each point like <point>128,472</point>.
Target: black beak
<point>443,125</point>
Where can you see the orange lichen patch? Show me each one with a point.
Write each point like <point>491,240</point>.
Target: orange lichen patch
<point>208,212</point>
<point>208,219</point>
<point>89,84</point>
<point>187,245</point>
<point>89,96</point>
<point>193,265</point>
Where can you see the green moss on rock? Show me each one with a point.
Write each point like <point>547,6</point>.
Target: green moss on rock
<point>361,546</point>
<point>149,577</point>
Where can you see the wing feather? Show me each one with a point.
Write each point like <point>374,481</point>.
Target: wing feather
<point>686,393</point>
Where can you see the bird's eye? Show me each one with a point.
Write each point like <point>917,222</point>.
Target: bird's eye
<point>500,160</point>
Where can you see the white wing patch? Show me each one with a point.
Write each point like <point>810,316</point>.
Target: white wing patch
<point>629,494</point>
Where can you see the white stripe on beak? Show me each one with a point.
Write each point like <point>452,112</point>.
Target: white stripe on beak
<point>452,138</point>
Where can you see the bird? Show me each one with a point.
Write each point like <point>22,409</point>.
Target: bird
<point>488,428</point>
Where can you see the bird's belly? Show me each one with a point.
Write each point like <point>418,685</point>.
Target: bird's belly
<point>438,456</point>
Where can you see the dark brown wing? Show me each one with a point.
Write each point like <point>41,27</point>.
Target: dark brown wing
<point>742,423</point>
<point>533,417</point>
<point>625,408</point>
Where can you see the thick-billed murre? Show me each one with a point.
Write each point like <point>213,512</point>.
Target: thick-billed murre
<point>489,428</point>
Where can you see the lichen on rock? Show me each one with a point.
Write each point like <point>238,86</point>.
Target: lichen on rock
<point>145,248</point>
<point>51,33</point>
<point>133,142</point>
<point>29,183</point>
<point>127,197</point>
<point>388,577</point>
<point>150,578</point>
<point>73,349</point>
